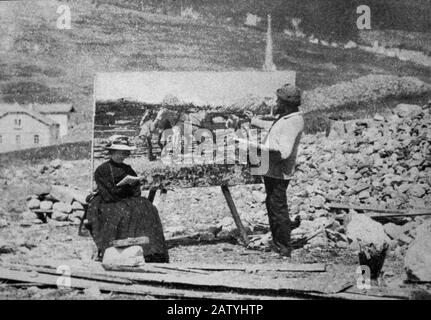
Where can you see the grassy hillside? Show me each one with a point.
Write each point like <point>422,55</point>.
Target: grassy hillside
<point>41,63</point>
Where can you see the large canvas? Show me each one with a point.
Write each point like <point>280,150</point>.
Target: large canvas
<point>190,128</point>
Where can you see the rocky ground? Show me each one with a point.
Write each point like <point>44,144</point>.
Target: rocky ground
<point>382,162</point>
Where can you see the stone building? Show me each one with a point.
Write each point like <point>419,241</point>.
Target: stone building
<point>22,128</point>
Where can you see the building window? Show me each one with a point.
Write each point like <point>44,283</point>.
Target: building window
<point>18,139</point>
<point>1,139</point>
<point>36,139</point>
<point>17,122</point>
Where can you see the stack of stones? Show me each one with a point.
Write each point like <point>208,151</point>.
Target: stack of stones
<point>60,203</point>
<point>383,162</point>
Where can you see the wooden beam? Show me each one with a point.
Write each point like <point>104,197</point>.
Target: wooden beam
<point>130,242</point>
<point>312,267</point>
<point>413,213</point>
<point>150,285</point>
<point>240,283</point>
<point>76,273</point>
<point>194,239</point>
<point>362,208</point>
<point>390,212</point>
<point>135,289</point>
<point>235,215</point>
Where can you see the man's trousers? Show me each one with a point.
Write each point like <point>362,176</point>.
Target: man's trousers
<point>278,212</point>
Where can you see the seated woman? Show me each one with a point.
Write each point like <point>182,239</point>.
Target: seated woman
<point>119,212</point>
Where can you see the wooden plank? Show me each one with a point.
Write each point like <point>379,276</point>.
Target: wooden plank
<point>235,283</point>
<point>77,274</point>
<point>194,239</point>
<point>182,239</point>
<point>178,268</point>
<point>382,292</point>
<point>251,294</point>
<point>142,268</point>
<point>235,215</point>
<point>257,292</point>
<point>312,267</point>
<point>414,213</point>
<point>352,296</point>
<point>130,242</point>
<point>390,212</point>
<point>362,208</point>
<point>51,280</point>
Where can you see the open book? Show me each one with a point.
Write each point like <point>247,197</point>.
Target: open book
<point>128,180</point>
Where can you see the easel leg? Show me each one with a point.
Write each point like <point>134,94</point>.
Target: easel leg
<point>152,194</point>
<point>160,201</point>
<point>235,215</point>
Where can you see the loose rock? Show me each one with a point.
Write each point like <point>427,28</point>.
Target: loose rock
<point>62,207</point>
<point>417,262</point>
<point>130,256</point>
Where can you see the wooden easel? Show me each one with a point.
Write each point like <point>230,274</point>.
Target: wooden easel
<point>163,192</point>
<point>229,200</point>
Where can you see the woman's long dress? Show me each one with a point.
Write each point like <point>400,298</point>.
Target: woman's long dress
<point>120,212</point>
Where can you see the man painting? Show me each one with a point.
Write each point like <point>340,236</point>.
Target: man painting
<point>281,145</point>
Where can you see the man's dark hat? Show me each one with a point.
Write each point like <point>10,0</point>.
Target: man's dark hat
<point>289,93</point>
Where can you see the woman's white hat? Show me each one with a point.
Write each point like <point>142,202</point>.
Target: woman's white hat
<point>119,142</point>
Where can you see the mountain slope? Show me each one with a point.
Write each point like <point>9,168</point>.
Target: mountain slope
<point>41,63</point>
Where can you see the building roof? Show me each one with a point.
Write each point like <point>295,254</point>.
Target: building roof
<point>53,108</point>
<point>16,109</point>
<point>212,89</point>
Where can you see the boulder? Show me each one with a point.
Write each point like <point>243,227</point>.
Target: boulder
<point>59,216</point>
<point>77,206</point>
<point>62,207</point>
<point>62,194</point>
<point>372,241</point>
<point>392,230</point>
<point>408,110</point>
<point>28,215</point>
<point>417,261</point>
<point>318,201</point>
<point>74,220</point>
<point>226,223</point>
<point>46,205</point>
<point>67,194</point>
<point>130,256</point>
<point>33,204</point>
<point>320,241</point>
<point>417,191</point>
<point>40,189</point>
<point>77,214</point>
